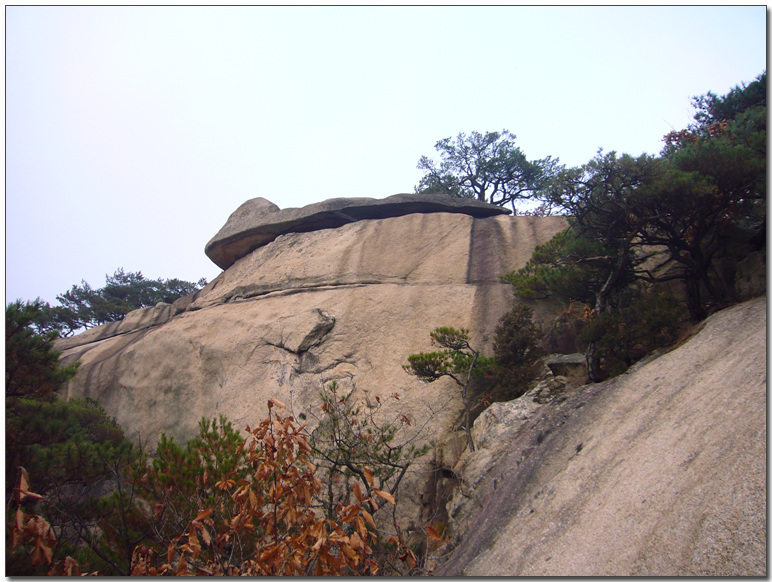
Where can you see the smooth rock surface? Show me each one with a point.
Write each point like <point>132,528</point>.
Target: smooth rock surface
<point>347,304</point>
<point>658,472</point>
<point>308,308</point>
<point>259,221</point>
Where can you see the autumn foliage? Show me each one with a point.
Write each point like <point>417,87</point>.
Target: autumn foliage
<point>32,533</point>
<point>265,502</point>
<point>261,522</point>
<point>271,517</point>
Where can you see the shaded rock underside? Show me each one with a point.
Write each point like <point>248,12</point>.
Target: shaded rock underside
<point>258,221</point>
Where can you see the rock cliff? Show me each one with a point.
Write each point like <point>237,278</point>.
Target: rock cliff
<point>658,472</point>
<point>259,221</point>
<point>345,304</point>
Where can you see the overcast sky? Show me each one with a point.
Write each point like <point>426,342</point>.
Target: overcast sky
<point>132,133</point>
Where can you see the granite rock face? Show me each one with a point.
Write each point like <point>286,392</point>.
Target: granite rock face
<point>658,472</point>
<point>345,304</point>
<point>661,471</point>
<point>258,221</point>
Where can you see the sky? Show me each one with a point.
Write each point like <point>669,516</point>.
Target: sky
<point>132,133</point>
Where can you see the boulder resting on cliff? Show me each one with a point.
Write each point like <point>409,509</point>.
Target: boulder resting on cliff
<point>259,221</point>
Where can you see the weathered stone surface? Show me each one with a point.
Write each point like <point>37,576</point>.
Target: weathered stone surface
<point>751,280</point>
<point>299,333</point>
<point>493,432</point>
<point>658,472</point>
<point>347,304</point>
<point>258,221</point>
<point>571,365</point>
<point>298,311</point>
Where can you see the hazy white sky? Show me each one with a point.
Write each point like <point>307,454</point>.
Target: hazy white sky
<point>132,133</point>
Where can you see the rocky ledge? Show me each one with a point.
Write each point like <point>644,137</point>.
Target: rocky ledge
<point>259,221</point>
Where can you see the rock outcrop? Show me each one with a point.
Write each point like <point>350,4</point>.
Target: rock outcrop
<point>259,221</point>
<point>345,304</point>
<point>658,472</point>
<point>661,471</point>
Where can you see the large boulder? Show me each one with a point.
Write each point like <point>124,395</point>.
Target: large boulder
<point>259,221</point>
<point>658,472</point>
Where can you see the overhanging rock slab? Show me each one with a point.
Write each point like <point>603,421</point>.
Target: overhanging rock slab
<point>258,221</point>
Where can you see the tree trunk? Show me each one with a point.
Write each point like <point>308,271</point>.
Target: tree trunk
<point>467,404</point>
<point>468,419</point>
<point>694,299</point>
<point>592,356</point>
<point>593,363</point>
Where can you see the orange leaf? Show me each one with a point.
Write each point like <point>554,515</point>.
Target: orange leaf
<point>304,446</point>
<point>37,556</point>
<point>368,516</point>
<point>356,541</point>
<point>195,546</point>
<point>182,566</point>
<point>358,492</point>
<point>18,530</point>
<point>411,558</point>
<point>368,476</point>
<point>387,496</point>
<point>360,525</point>
<point>206,536</point>
<point>350,554</point>
<point>253,503</point>
<point>433,533</point>
<point>71,567</point>
<point>22,490</point>
<point>203,515</point>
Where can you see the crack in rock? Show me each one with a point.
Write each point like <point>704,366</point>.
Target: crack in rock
<point>297,334</point>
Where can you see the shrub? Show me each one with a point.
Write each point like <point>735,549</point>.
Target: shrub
<point>458,360</point>
<point>350,441</point>
<point>263,522</point>
<point>567,266</point>
<point>60,441</point>
<point>633,330</point>
<point>32,367</point>
<point>515,347</point>
<point>257,521</point>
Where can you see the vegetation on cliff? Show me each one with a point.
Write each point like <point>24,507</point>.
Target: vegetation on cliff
<point>83,307</point>
<point>69,446</point>
<point>282,501</point>
<point>482,380</point>
<point>487,167</point>
<point>625,210</point>
<point>257,519</point>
